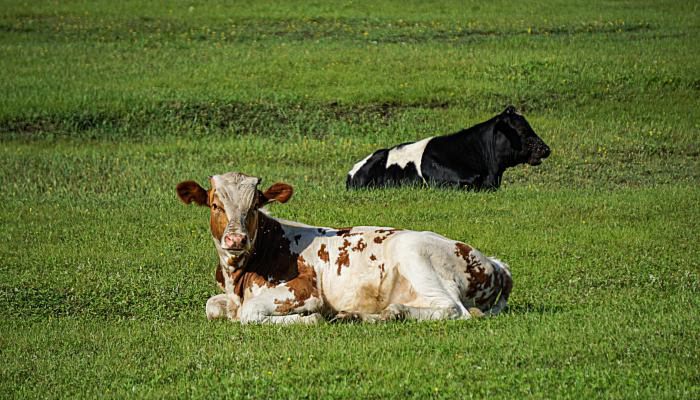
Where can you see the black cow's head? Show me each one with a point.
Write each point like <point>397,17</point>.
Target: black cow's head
<point>518,139</point>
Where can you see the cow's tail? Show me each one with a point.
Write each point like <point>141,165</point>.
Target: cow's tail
<point>506,279</point>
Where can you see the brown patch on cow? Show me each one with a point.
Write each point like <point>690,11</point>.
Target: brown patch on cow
<point>342,231</point>
<point>473,263</point>
<point>343,256</point>
<point>478,280</point>
<point>386,232</point>
<point>345,232</point>
<point>284,307</point>
<point>323,253</point>
<point>220,277</point>
<point>302,287</point>
<point>382,275</point>
<point>462,250</point>
<point>360,246</point>
<point>478,274</point>
<point>217,216</point>
<point>499,284</point>
<point>373,257</point>
<point>242,280</point>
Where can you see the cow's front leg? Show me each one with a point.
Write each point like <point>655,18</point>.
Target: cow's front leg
<point>400,312</point>
<point>491,182</point>
<point>217,307</point>
<point>280,305</point>
<point>223,306</point>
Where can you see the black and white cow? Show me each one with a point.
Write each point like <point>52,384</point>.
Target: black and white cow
<point>473,158</point>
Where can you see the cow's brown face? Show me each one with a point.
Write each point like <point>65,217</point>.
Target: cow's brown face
<point>234,201</point>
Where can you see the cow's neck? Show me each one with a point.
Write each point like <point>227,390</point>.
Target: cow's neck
<point>270,262</point>
<point>478,141</point>
<point>272,257</point>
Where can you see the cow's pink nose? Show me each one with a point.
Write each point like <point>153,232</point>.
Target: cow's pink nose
<point>234,240</point>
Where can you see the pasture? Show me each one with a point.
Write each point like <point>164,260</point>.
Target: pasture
<point>106,106</point>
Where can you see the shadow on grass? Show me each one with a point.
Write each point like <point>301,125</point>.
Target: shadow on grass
<point>529,308</point>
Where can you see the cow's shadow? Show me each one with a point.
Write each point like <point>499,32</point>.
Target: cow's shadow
<point>530,308</point>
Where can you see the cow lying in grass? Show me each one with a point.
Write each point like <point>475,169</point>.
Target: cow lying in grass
<point>276,271</point>
<point>473,158</point>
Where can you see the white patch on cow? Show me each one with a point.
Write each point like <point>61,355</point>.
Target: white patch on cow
<point>410,153</point>
<point>359,165</point>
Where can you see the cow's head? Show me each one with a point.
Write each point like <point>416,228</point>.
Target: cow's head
<point>234,202</point>
<point>518,138</point>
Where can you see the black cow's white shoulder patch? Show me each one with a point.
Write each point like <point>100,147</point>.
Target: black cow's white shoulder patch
<point>404,154</point>
<point>390,167</point>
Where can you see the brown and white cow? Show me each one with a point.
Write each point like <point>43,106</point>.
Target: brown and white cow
<point>277,271</point>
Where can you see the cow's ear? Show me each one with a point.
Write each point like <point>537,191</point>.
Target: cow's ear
<point>280,192</point>
<point>509,110</point>
<point>189,191</point>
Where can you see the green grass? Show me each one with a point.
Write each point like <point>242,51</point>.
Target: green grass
<point>107,105</point>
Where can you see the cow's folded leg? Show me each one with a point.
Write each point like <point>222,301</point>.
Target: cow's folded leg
<point>310,319</point>
<point>347,316</point>
<point>350,316</point>
<point>401,312</point>
<point>217,307</point>
<point>268,308</point>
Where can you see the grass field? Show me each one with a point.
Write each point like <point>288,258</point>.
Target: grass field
<point>104,275</point>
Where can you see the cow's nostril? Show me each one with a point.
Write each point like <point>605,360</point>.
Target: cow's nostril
<point>228,241</point>
<point>235,240</point>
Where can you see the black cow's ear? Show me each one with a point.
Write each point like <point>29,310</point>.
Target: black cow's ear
<point>509,110</point>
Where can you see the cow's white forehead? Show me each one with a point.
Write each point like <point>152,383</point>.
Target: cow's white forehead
<point>235,190</point>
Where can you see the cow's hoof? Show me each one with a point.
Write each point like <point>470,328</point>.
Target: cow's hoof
<point>312,319</point>
<point>392,313</point>
<point>476,313</point>
<point>347,316</point>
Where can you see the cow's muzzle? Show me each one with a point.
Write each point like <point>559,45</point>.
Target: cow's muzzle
<point>234,241</point>
<point>538,152</point>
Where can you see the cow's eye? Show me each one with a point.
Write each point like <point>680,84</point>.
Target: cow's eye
<point>215,207</point>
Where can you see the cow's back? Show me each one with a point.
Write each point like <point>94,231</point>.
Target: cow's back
<point>452,160</point>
